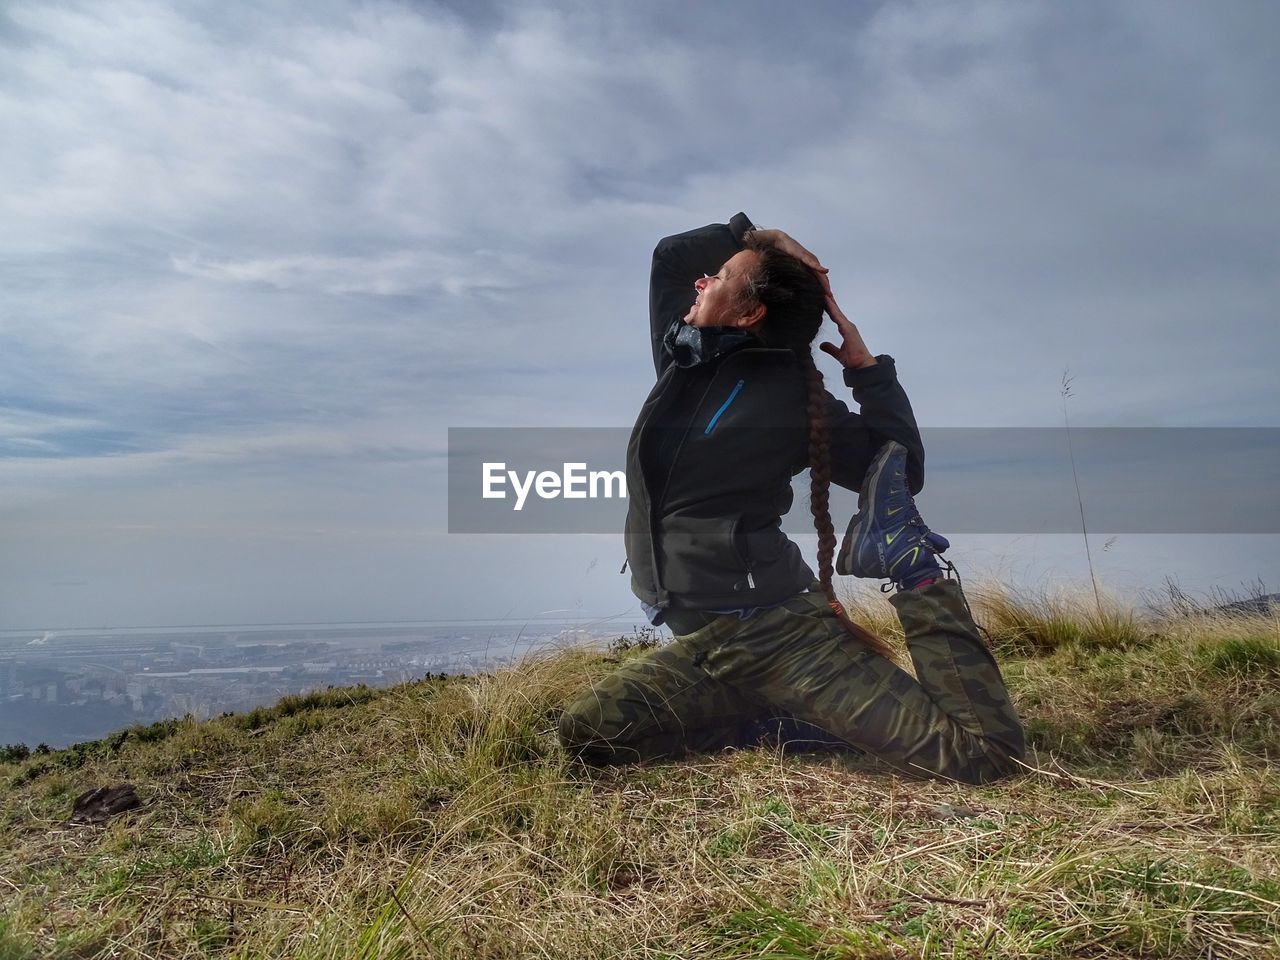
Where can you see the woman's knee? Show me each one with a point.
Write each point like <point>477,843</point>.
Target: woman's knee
<point>585,733</point>
<point>578,726</point>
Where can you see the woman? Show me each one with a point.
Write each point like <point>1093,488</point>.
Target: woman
<point>739,408</point>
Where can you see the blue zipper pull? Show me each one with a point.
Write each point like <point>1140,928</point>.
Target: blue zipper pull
<point>724,406</point>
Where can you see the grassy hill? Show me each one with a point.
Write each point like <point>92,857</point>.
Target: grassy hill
<point>440,819</point>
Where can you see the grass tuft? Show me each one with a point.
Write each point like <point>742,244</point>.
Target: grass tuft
<point>1243,656</point>
<point>440,819</point>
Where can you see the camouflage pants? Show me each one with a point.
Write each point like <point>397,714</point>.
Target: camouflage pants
<point>702,691</point>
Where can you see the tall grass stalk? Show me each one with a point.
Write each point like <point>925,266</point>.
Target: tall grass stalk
<point>1084,529</point>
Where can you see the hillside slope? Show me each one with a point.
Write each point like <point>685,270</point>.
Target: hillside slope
<point>440,819</point>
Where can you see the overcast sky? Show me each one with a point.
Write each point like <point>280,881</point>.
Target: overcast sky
<point>254,264</point>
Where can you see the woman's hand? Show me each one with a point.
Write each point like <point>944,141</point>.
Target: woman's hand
<point>786,244</point>
<point>852,352</point>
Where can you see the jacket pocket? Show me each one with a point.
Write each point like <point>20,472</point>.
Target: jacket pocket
<point>767,554</point>
<point>759,544</point>
<point>700,556</point>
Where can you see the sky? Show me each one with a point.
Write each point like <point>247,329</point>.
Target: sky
<point>254,263</point>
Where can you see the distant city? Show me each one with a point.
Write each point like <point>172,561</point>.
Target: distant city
<point>63,687</point>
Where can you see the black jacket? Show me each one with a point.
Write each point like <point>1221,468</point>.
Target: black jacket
<point>708,534</point>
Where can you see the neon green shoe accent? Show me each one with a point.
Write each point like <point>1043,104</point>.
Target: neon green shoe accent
<point>890,537</point>
<point>915,552</point>
<point>892,511</point>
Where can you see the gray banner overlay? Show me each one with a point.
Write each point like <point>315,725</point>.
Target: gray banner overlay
<point>977,480</point>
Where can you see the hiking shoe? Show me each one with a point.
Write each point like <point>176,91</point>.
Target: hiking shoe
<point>887,539</point>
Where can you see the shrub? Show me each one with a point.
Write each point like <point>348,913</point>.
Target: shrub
<point>640,638</point>
<point>14,753</point>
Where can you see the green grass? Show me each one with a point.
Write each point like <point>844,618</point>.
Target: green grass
<point>441,819</point>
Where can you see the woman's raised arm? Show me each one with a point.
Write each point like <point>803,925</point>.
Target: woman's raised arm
<point>677,262</point>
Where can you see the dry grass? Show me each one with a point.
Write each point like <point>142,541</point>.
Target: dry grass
<point>440,819</point>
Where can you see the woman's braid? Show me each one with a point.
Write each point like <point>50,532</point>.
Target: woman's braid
<point>819,497</point>
<point>794,303</point>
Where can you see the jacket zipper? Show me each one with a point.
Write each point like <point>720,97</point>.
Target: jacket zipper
<point>653,537</point>
<point>746,560</point>
<point>724,406</point>
<point>675,457</point>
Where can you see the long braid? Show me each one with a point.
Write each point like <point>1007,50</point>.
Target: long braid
<point>793,300</point>
<point>819,495</point>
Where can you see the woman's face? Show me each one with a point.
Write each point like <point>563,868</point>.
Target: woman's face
<point>722,300</point>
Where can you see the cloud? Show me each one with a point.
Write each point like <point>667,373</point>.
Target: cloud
<point>397,273</point>
<point>302,232</point>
